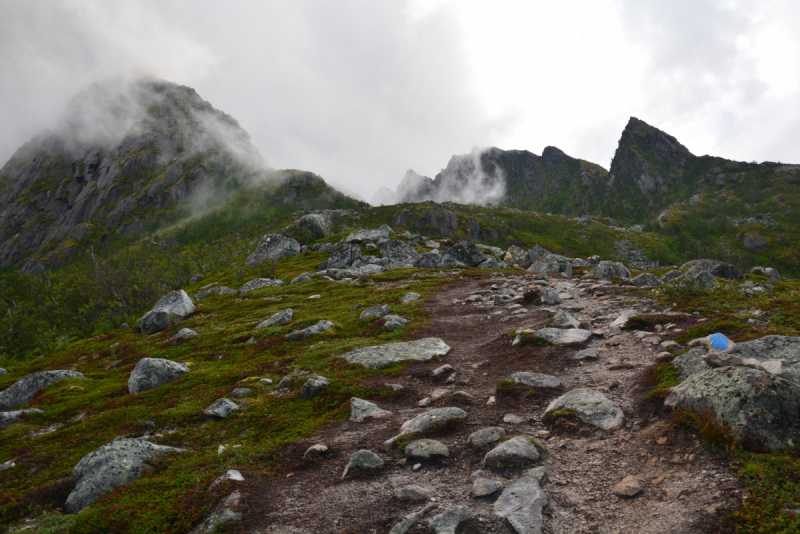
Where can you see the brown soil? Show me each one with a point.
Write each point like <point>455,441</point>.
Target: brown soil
<point>680,478</point>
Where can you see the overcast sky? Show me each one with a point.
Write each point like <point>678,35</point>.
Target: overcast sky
<point>361,91</point>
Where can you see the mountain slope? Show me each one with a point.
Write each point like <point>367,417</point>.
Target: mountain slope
<point>124,154</point>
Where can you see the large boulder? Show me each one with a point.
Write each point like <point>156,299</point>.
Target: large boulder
<point>703,279</point>
<point>23,390</point>
<point>172,308</point>
<point>691,363</point>
<point>515,452</point>
<point>258,283</point>
<point>551,263</point>
<point>717,268</point>
<point>399,254</point>
<point>537,252</point>
<point>362,236</point>
<point>591,407</point>
<point>342,256</point>
<point>466,253</point>
<point>516,256</point>
<point>431,260</point>
<point>151,373</point>
<point>759,408</point>
<point>379,356</point>
<point>770,272</point>
<point>273,247</point>
<point>646,280</point>
<point>309,228</point>
<point>120,462</point>
<point>784,348</point>
<point>607,270</point>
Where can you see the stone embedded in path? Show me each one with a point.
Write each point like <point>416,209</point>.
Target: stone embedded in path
<point>562,337</point>
<point>151,373</point>
<point>362,461</point>
<point>410,520</point>
<point>120,462</point>
<point>361,410</point>
<point>313,387</point>
<point>535,380</point>
<point>410,297</point>
<point>591,407</point>
<point>281,317</point>
<point>549,296</point>
<point>585,354</point>
<point>622,320</point>
<point>521,505</point>
<point>427,449</point>
<point>315,451</point>
<point>483,487</point>
<point>513,419</point>
<point>376,311</point>
<point>6,418</point>
<point>485,436</point>
<point>23,390</point>
<point>428,421</point>
<point>258,283</point>
<point>450,521</point>
<point>380,356</point>
<point>627,487</point>
<point>172,308</point>
<point>515,452</point>
<point>221,408</point>
<point>414,492</point>
<point>563,318</point>
<point>439,371</point>
<point>273,247</point>
<point>305,333</point>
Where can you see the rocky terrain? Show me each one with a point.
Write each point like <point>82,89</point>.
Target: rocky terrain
<point>387,382</point>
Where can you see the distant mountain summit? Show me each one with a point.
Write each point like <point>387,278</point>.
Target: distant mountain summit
<point>124,154</point>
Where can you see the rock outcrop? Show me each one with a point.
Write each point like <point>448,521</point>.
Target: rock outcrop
<point>151,373</point>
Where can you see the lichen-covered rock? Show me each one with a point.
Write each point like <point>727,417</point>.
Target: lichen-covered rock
<point>410,297</point>
<point>591,407</point>
<point>309,228</point>
<point>361,461</point>
<point>536,380</point>
<point>305,333</point>
<point>313,387</point>
<point>380,356</point>
<point>549,296</point>
<point>515,452</point>
<point>362,236</point>
<point>258,283</point>
<point>221,408</point>
<point>281,317</point>
<point>672,276</point>
<point>361,410</point>
<point>120,462</point>
<point>6,418</point>
<point>702,279</point>
<point>485,436</point>
<point>489,263</point>
<point>342,256</point>
<point>691,363</point>
<point>393,322</point>
<point>556,336</point>
<point>399,254</point>
<point>23,390</point>
<point>773,274</point>
<point>377,311</point>
<point>607,270</point>
<point>563,318</point>
<point>185,333</point>
<point>760,408</point>
<point>646,280</point>
<point>466,253</point>
<point>717,268</point>
<point>273,247</point>
<point>305,277</point>
<point>537,252</point>
<point>219,290</point>
<point>551,263</point>
<point>450,521</point>
<point>434,260</point>
<point>172,308</point>
<point>427,449</point>
<point>151,373</point>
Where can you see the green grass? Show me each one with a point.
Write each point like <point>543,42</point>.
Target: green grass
<point>773,504</point>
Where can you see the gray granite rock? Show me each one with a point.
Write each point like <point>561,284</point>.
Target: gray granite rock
<point>313,387</point>
<point>305,333</point>
<point>672,276</point>
<point>485,487</point>
<point>521,505</point>
<point>536,380</point>
<point>305,277</point>
<point>591,407</point>
<point>231,474</point>
<point>315,451</point>
<point>309,228</point>
<point>427,449</point>
<point>773,274</point>
<point>282,317</point>
<point>399,254</point>
<point>563,318</point>
<point>324,248</point>
<point>380,356</point>
<point>224,516</point>
<point>151,373</point>
<point>414,492</point>
<point>646,280</point>
<point>485,436</point>
<point>450,521</point>
<point>515,452</point>
<point>172,308</point>
<point>362,461</point>
<point>360,410</point>
<point>551,263</point>
<point>393,322</point>
<point>427,422</point>
<point>585,354</point>
<point>273,247</point>
<point>377,311</point>
<point>343,255</point>
<point>120,462</point>
<point>410,520</point>
<point>607,270</point>
<point>556,336</point>
<point>221,408</point>
<point>23,390</point>
<point>410,297</point>
<point>6,418</point>
<point>362,236</point>
<point>467,253</point>
<point>549,296</point>
<point>3,372</point>
<point>703,279</point>
<point>185,333</point>
<point>219,290</point>
<point>717,268</point>
<point>258,283</point>
<point>238,393</point>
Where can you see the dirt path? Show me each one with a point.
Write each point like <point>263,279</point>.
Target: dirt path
<point>680,479</point>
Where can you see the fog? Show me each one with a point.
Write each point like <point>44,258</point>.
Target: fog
<point>359,92</point>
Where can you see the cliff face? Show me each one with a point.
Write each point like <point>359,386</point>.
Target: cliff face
<point>125,154</point>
